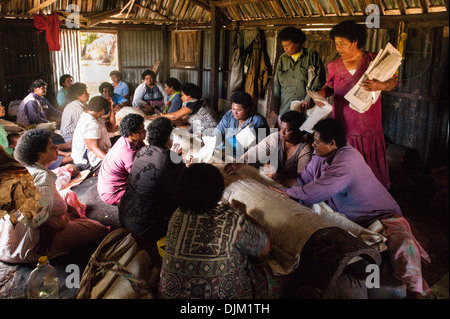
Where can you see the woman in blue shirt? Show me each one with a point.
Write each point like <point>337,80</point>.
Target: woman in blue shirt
<point>241,115</point>
<point>106,89</point>
<point>120,87</point>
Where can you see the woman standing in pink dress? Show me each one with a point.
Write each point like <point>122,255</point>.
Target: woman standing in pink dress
<point>364,131</point>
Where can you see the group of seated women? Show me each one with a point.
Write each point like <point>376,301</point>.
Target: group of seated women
<point>159,194</point>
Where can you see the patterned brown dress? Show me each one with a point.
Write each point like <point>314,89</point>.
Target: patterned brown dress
<point>206,256</point>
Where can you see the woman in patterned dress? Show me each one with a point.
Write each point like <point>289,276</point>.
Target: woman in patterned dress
<point>194,114</point>
<point>208,244</point>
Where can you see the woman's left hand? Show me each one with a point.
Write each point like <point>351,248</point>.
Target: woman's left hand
<point>373,85</point>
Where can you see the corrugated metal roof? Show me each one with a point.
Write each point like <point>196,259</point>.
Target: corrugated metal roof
<point>174,12</point>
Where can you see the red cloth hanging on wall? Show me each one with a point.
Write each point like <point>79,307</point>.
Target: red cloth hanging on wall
<point>50,24</point>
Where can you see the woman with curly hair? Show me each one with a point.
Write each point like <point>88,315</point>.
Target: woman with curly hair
<point>364,130</point>
<point>61,225</point>
<point>116,166</point>
<point>149,198</point>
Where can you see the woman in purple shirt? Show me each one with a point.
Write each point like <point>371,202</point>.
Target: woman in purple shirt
<point>115,168</point>
<point>338,175</point>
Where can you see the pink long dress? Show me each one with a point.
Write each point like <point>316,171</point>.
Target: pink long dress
<point>364,130</point>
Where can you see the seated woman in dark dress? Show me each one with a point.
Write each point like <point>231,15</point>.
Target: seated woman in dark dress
<point>208,244</point>
<point>149,198</point>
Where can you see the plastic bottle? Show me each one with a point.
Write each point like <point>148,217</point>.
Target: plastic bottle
<point>43,281</point>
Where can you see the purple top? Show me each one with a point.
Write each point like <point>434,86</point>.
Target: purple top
<point>116,166</point>
<point>347,184</point>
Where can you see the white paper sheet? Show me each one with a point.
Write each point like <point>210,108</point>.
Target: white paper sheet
<point>316,113</point>
<point>382,68</point>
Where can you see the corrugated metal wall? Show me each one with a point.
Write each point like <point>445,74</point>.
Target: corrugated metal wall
<point>68,60</point>
<point>138,51</point>
<point>416,114</point>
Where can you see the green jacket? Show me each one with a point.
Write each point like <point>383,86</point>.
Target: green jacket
<point>4,140</point>
<point>291,77</point>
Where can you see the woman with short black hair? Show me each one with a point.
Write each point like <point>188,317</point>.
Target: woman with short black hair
<point>364,130</point>
<point>65,81</point>
<point>116,166</point>
<point>208,244</point>
<point>292,148</point>
<point>298,69</point>
<point>172,87</point>
<point>106,89</point>
<point>241,116</point>
<point>194,114</point>
<point>149,198</point>
<point>120,87</point>
<point>149,96</point>
<point>91,139</point>
<point>79,97</point>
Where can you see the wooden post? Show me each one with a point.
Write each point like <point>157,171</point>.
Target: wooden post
<point>3,93</point>
<point>165,72</point>
<point>200,58</point>
<point>215,47</point>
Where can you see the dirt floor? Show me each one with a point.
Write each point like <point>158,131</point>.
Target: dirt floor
<point>424,202</point>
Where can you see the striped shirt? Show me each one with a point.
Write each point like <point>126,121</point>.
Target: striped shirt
<point>69,120</point>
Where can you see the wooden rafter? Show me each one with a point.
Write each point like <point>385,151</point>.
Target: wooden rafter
<point>101,18</point>
<point>126,6</point>
<point>319,8</point>
<point>401,6</point>
<point>362,6</point>
<point>438,18</point>
<point>235,3</point>
<point>297,8</point>
<point>287,7</point>
<point>304,6</point>
<point>41,6</point>
<point>348,8</point>
<point>380,5</point>
<point>335,8</point>
<point>201,4</point>
<point>424,6</point>
<point>130,7</point>
<point>152,11</point>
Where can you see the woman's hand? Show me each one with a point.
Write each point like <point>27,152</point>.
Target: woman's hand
<point>270,171</point>
<point>373,85</point>
<point>232,168</point>
<point>306,105</point>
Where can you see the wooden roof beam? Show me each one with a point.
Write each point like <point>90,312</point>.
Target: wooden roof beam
<point>201,4</point>
<point>152,11</point>
<point>424,6</point>
<point>235,3</point>
<point>401,6</point>
<point>101,18</point>
<point>438,18</point>
<point>319,8</point>
<point>348,8</point>
<point>380,5</point>
<point>335,8</point>
<point>41,6</point>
